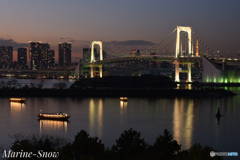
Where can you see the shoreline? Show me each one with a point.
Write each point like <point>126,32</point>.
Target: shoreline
<point>158,92</point>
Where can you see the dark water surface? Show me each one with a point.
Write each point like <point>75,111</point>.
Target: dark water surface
<point>191,120</point>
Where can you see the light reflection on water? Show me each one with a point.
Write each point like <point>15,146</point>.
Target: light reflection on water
<point>123,106</point>
<point>18,110</point>
<point>190,120</point>
<point>96,116</point>
<point>184,86</point>
<point>123,111</point>
<point>49,126</point>
<point>183,122</point>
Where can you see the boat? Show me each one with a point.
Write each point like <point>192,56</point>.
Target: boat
<point>124,99</point>
<point>20,100</point>
<point>54,116</point>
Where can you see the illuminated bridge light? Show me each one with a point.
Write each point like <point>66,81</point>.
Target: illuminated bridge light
<point>226,80</point>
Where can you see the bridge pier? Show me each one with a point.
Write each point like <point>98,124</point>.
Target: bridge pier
<point>189,73</point>
<point>177,71</point>
<point>177,79</point>
<point>91,74</point>
<point>100,70</point>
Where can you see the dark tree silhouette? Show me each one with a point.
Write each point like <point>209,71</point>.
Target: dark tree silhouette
<point>197,152</point>
<point>85,147</point>
<point>130,146</point>
<point>14,82</point>
<point>39,86</point>
<point>59,85</point>
<point>164,147</point>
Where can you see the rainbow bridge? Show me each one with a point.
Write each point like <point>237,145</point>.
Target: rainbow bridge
<point>184,53</point>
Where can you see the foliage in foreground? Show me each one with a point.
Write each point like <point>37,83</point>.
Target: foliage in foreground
<point>129,146</point>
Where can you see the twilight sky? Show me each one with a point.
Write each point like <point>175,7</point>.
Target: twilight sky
<point>217,22</point>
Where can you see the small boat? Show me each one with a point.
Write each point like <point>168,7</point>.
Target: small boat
<point>20,100</point>
<point>123,99</point>
<point>54,116</point>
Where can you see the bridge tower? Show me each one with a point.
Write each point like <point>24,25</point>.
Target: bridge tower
<point>176,62</point>
<point>93,58</point>
<point>189,31</point>
<point>92,50</point>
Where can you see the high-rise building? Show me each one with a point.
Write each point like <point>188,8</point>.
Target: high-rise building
<point>38,53</point>
<point>44,49</point>
<point>51,59</point>
<point>22,58</point>
<point>34,54</point>
<point>64,53</point>
<point>6,56</point>
<point>14,65</point>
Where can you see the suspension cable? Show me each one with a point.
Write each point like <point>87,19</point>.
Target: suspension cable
<point>158,42</point>
<point>200,51</point>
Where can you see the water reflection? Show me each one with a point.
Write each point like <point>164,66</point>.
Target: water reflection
<point>123,106</point>
<point>17,109</point>
<point>17,113</point>
<point>189,86</point>
<point>183,122</point>
<point>96,116</point>
<point>50,126</point>
<point>184,86</point>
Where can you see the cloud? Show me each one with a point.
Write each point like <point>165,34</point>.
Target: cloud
<point>86,41</point>
<point>70,40</point>
<point>11,42</point>
<point>130,43</point>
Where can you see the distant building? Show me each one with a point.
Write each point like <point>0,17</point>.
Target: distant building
<point>38,53</point>
<point>97,55</point>
<point>44,48</point>
<point>6,56</point>
<point>197,48</point>
<point>87,54</point>
<point>219,72</point>
<point>34,54</point>
<point>135,52</point>
<point>22,58</point>
<point>51,59</point>
<point>64,53</point>
<point>15,65</point>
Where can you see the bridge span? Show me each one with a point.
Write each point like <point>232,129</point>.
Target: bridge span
<point>180,56</point>
<point>179,60</point>
<point>144,58</point>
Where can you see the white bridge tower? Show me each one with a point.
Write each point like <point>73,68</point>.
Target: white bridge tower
<point>189,31</point>
<point>93,58</point>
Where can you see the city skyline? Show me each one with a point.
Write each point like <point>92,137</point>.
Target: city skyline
<point>122,25</point>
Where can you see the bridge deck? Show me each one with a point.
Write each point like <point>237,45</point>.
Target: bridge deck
<point>144,58</point>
